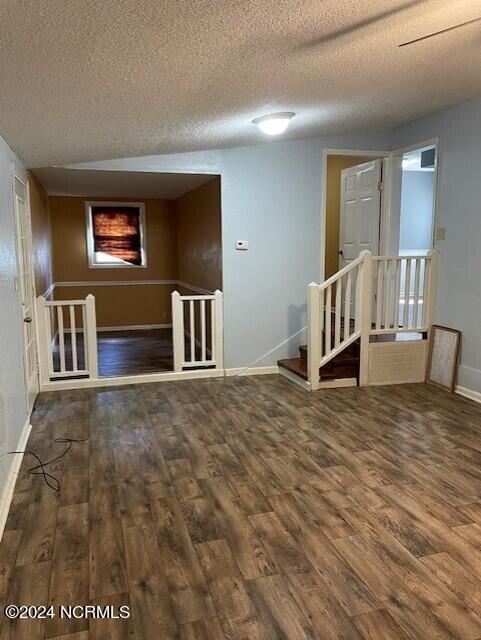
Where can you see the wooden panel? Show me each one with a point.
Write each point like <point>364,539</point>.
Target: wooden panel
<point>397,362</point>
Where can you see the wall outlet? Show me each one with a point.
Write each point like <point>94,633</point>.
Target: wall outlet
<point>242,245</point>
<point>441,233</point>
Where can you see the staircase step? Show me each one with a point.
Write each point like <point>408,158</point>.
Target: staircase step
<point>347,368</point>
<point>295,365</point>
<point>352,352</point>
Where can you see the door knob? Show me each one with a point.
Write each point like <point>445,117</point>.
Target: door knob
<point>340,253</point>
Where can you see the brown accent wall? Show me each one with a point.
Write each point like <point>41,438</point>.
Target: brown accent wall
<point>116,305</point>
<point>335,164</point>
<point>41,235</point>
<point>199,240</point>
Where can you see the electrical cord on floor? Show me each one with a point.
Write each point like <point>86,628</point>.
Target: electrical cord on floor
<point>40,469</point>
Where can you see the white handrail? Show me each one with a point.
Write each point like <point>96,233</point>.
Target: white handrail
<point>349,267</point>
<point>335,322</point>
<point>198,320</point>
<point>380,294</point>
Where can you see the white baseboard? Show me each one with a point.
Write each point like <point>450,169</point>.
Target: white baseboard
<point>7,494</point>
<point>468,393</point>
<point>251,371</point>
<point>165,376</point>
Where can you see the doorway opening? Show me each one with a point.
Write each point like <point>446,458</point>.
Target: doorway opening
<point>418,184</point>
<point>416,218</point>
<point>352,206</point>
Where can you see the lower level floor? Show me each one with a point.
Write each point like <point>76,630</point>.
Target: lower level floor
<point>123,352</point>
<point>248,508</point>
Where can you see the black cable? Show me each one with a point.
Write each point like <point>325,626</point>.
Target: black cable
<point>51,481</point>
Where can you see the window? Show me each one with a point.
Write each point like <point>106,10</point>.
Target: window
<point>116,234</point>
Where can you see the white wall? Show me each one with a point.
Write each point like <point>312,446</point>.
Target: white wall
<point>13,406</point>
<point>271,196</point>
<point>458,209</point>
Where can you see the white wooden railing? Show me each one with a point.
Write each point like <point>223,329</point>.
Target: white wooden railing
<point>370,296</point>
<point>403,300</point>
<point>334,315</point>
<point>67,338</point>
<point>198,330</point>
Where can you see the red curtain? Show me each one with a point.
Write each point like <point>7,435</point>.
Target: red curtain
<point>116,231</point>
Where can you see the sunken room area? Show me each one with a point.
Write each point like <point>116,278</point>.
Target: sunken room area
<point>129,239</point>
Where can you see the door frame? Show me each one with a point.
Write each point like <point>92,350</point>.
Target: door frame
<point>15,175</point>
<point>395,190</point>
<point>385,156</point>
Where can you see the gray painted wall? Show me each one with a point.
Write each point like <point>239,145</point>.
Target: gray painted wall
<point>13,406</point>
<point>416,210</point>
<point>271,196</point>
<point>458,209</point>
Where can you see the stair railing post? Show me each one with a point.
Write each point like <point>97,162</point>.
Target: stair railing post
<point>365,314</point>
<point>90,337</point>
<point>219,329</point>
<point>432,296</point>
<point>43,347</point>
<point>177,330</point>
<point>313,335</point>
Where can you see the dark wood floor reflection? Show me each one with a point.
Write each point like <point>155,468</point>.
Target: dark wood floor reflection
<point>249,509</point>
<point>125,353</point>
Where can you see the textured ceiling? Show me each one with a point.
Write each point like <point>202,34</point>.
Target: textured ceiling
<point>117,184</point>
<point>88,80</point>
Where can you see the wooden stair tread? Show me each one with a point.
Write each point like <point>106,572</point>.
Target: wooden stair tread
<point>295,365</point>
<point>343,365</point>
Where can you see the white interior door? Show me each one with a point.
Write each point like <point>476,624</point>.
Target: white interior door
<point>27,291</point>
<point>360,214</point>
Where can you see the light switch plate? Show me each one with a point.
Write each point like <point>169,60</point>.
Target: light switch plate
<point>441,233</point>
<point>242,245</point>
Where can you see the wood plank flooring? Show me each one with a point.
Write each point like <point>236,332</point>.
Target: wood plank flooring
<point>125,353</point>
<point>249,509</point>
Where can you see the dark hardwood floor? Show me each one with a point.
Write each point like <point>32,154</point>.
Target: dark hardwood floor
<point>125,353</point>
<point>122,353</point>
<point>249,509</point>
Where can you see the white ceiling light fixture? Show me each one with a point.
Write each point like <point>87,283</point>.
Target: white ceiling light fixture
<point>274,124</point>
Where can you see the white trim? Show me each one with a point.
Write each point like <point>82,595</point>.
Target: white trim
<point>385,193</point>
<point>166,376</point>
<point>90,241</point>
<point>253,371</point>
<point>418,145</point>
<point>192,287</point>
<point>122,283</point>
<point>399,153</point>
<point>9,487</point>
<point>131,327</point>
<point>468,393</point>
<point>109,283</point>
